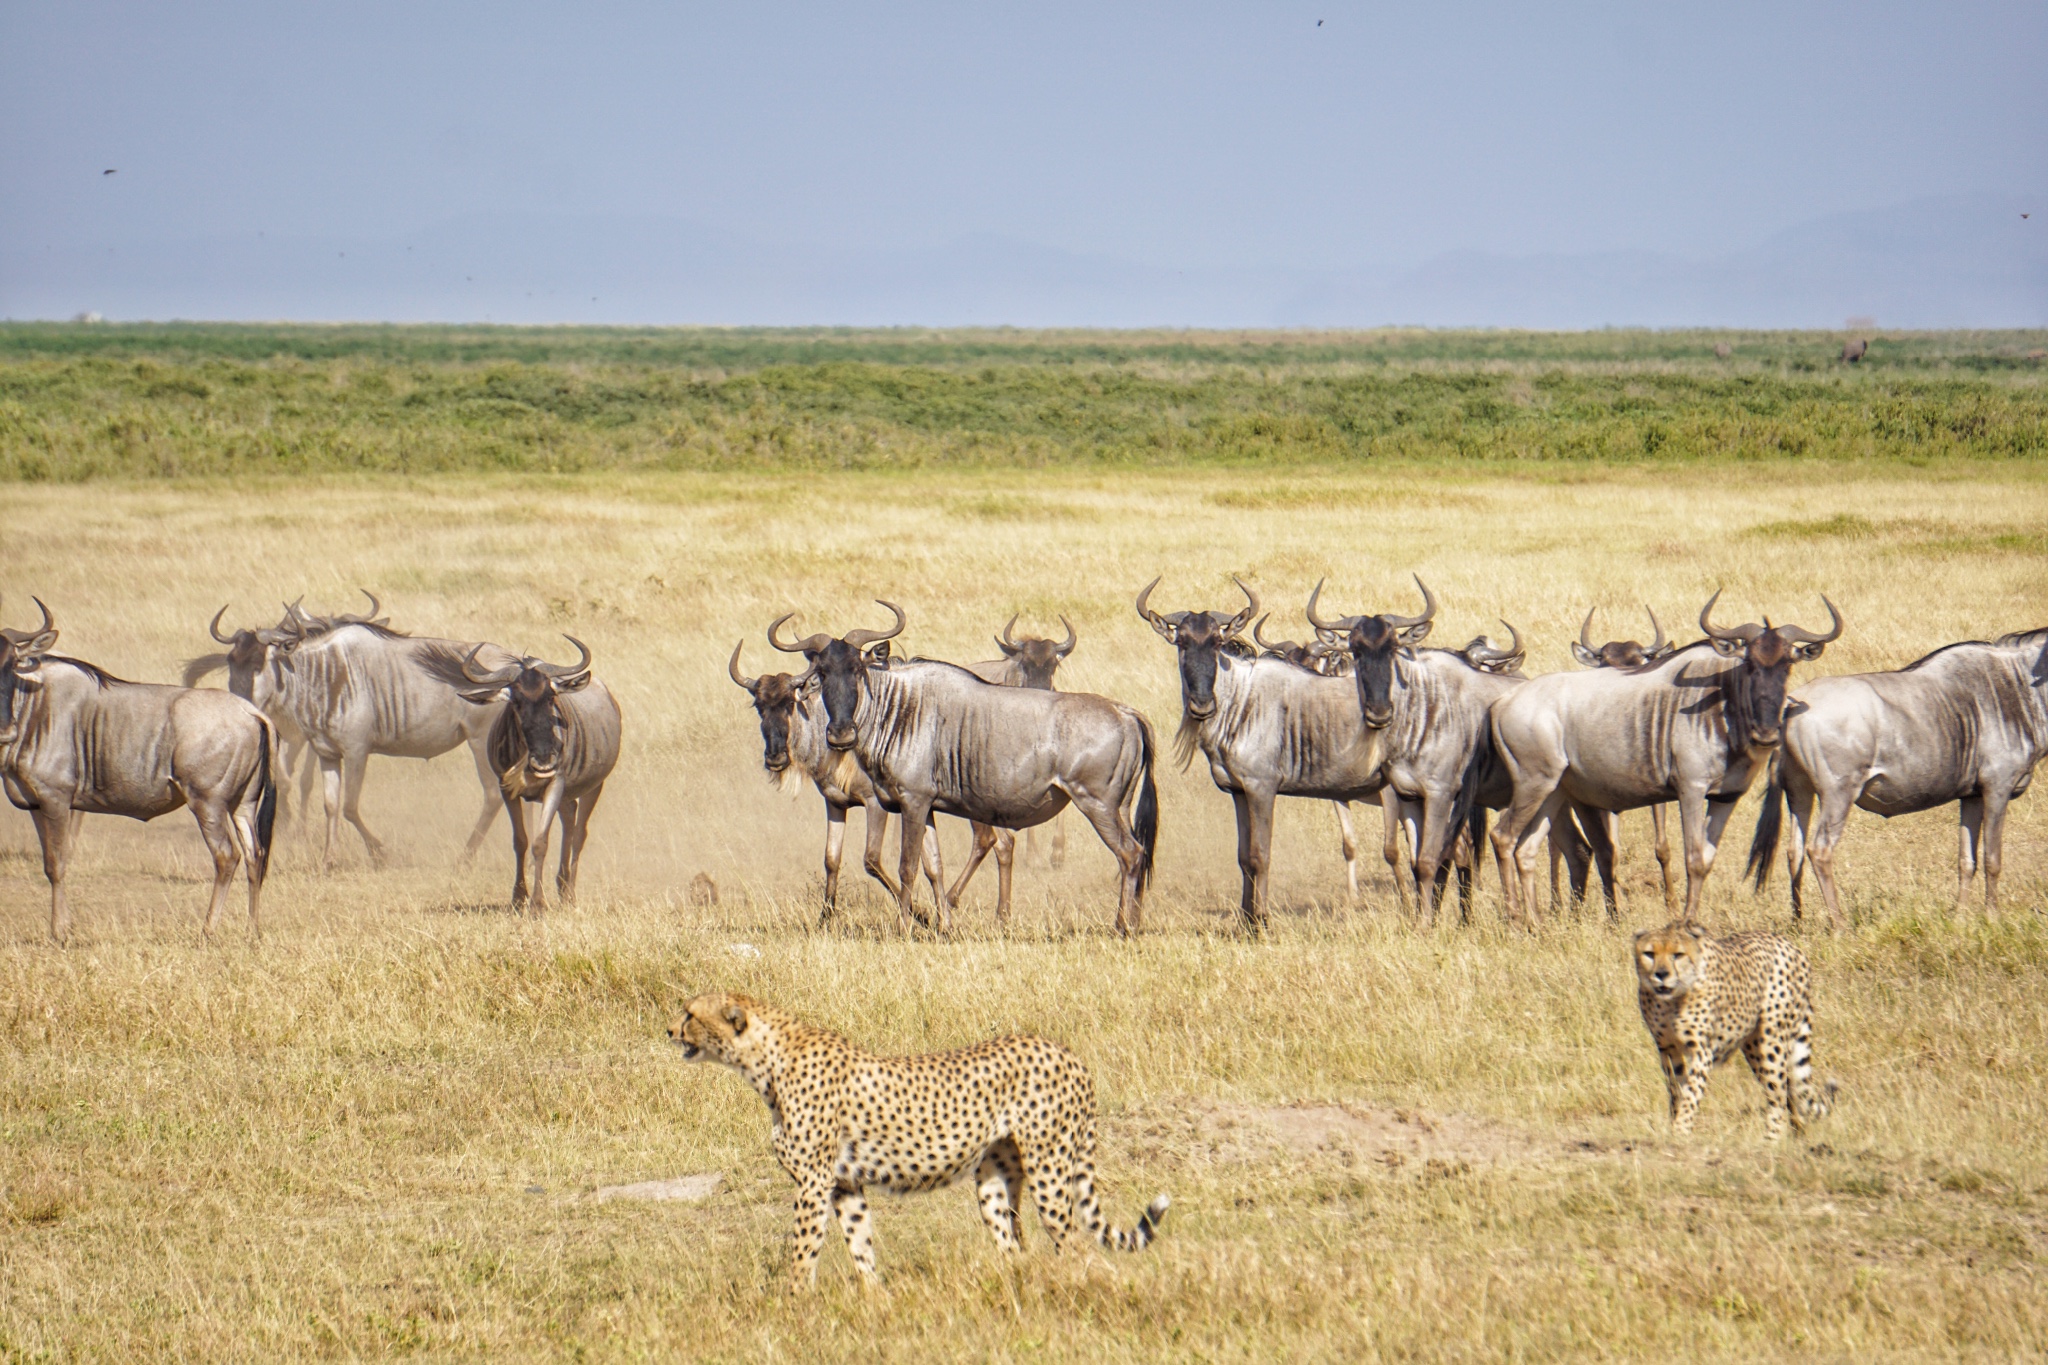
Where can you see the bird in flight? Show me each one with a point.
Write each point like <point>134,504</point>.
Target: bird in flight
<point>110,171</point>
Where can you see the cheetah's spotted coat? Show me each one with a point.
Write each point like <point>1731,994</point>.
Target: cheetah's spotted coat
<point>1702,998</point>
<point>1011,1111</point>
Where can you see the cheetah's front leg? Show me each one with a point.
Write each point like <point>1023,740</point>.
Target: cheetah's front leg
<point>813,1205</point>
<point>850,1203</point>
<point>1689,1076</point>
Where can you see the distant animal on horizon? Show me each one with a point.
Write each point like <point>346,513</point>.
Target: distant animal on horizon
<point>1853,351</point>
<point>1010,1112</point>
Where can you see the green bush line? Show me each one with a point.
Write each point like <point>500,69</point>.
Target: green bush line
<point>100,416</point>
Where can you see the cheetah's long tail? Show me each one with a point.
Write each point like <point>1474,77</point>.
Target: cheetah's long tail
<point>1089,1211</point>
<point>1814,1100</point>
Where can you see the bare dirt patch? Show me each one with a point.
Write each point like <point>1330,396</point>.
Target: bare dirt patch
<point>1351,1131</point>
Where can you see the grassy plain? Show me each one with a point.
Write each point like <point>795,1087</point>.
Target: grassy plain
<point>1382,1143</point>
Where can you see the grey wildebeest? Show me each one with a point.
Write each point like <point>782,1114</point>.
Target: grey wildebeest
<point>1029,662</point>
<point>552,745</point>
<point>1696,727</point>
<point>361,688</point>
<point>245,657</point>
<point>1968,723</point>
<point>1269,728</point>
<point>793,747</point>
<point>934,737</point>
<point>1621,654</point>
<point>1428,709</point>
<point>74,739</point>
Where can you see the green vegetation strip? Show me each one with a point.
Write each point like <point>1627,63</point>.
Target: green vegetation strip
<point>181,401</point>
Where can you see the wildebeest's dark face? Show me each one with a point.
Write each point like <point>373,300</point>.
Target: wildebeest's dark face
<point>537,712</point>
<point>840,672</point>
<point>1203,642</point>
<point>1037,660</point>
<point>1756,687</point>
<point>21,656</point>
<point>1377,648</point>
<point>1613,654</point>
<point>775,702</point>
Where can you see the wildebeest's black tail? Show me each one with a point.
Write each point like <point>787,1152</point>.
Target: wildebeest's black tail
<point>1145,819</point>
<point>266,805</point>
<point>1764,847</point>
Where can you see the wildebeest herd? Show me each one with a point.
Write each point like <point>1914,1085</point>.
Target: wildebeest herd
<point>1441,739</point>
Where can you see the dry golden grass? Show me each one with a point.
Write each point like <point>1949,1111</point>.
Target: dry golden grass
<point>1381,1143</point>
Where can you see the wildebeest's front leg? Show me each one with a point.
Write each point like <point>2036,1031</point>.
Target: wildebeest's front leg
<point>917,813</point>
<point>1391,809</point>
<point>1701,821</point>
<point>353,767</point>
<point>1255,854</point>
<point>515,814</point>
<point>54,827</point>
<point>488,777</point>
<point>1663,849</point>
<point>550,806</point>
<point>1347,839</point>
<point>575,829</point>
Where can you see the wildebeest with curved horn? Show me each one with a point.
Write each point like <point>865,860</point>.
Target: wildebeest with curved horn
<point>1621,654</point>
<point>934,737</point>
<point>793,742</point>
<point>1429,710</point>
<point>1268,727</point>
<point>245,657</point>
<point>553,744</point>
<point>360,688</point>
<point>74,739</point>
<point>1029,662</point>
<point>1696,727</point>
<point>1967,723</point>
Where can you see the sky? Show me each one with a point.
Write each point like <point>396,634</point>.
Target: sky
<point>1285,138</point>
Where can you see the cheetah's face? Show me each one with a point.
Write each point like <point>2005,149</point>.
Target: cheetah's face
<point>1668,959</point>
<point>714,1028</point>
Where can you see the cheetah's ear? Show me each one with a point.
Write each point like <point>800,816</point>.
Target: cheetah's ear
<point>736,1017</point>
<point>1696,932</point>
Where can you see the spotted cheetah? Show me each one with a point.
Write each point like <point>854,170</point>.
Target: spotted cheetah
<point>1704,997</point>
<point>1008,1110</point>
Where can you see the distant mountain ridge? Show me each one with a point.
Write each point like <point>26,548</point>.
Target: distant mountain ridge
<point>1955,262</point>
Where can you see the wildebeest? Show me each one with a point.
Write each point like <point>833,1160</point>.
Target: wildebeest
<point>1268,727</point>
<point>74,739</point>
<point>362,688</point>
<point>1029,662</point>
<point>934,737</point>
<point>1621,654</point>
<point>793,747</point>
<point>245,657</point>
<point>1429,711</point>
<point>1695,727</point>
<point>1854,350</point>
<point>1967,723</point>
<point>552,744</point>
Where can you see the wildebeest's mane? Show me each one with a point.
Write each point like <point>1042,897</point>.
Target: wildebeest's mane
<point>385,632</point>
<point>442,661</point>
<point>94,671</point>
<point>948,663</point>
<point>2020,639</point>
<point>2024,639</point>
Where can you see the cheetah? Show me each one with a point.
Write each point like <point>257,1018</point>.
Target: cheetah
<point>1704,997</point>
<point>1010,1110</point>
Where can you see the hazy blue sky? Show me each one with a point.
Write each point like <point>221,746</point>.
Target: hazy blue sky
<point>1203,136</point>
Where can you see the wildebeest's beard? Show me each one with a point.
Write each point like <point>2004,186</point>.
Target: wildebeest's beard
<point>839,667</point>
<point>1375,646</point>
<point>10,687</point>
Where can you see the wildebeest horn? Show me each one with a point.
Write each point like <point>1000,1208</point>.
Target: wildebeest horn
<point>1428,609</point>
<point>1745,632</point>
<point>1251,609</point>
<point>861,639</point>
<point>346,619</point>
<point>213,626</point>
<point>1806,637</point>
<point>1586,632</point>
<point>1513,650</point>
<point>296,619</point>
<point>1153,618</point>
<point>561,671</point>
<point>1658,643</point>
<point>732,666</point>
<point>1259,634</point>
<point>810,644</point>
<point>20,638</point>
<point>1008,627</point>
<point>1072,639</point>
<point>1341,623</point>
<point>497,677</point>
